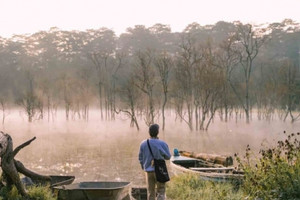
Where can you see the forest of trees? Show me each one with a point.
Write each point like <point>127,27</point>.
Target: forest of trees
<point>226,70</point>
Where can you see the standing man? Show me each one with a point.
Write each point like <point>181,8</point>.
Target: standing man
<point>161,151</point>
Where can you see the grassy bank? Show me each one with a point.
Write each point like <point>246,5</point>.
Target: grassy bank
<point>273,174</point>
<point>34,193</point>
<point>189,186</point>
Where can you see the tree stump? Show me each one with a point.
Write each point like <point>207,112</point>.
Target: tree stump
<point>11,167</point>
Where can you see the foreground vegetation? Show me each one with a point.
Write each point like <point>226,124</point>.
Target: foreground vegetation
<point>275,174</point>
<point>34,193</point>
<point>189,186</point>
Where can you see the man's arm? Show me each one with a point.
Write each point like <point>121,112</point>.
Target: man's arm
<point>141,157</point>
<point>166,154</point>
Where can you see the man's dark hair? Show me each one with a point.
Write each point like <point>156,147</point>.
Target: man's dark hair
<point>153,130</point>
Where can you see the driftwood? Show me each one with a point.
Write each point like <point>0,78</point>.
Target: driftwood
<point>11,167</point>
<point>217,159</point>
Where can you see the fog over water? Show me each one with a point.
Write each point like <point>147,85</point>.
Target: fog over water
<point>108,150</point>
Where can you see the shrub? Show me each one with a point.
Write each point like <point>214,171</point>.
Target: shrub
<point>41,193</point>
<point>10,195</point>
<point>189,186</point>
<point>34,192</point>
<point>276,173</point>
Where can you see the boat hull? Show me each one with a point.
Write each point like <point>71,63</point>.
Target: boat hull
<point>61,180</point>
<point>94,191</point>
<point>56,180</point>
<point>182,164</point>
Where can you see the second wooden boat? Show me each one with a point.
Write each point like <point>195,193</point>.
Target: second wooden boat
<point>205,170</point>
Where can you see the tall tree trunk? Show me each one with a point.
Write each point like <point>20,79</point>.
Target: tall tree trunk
<point>100,98</point>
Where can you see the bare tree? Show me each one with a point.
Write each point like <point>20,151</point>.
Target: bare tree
<point>66,92</point>
<point>188,57</point>
<point>83,96</point>
<point>29,100</point>
<point>129,96</point>
<point>265,89</point>
<point>111,79</point>
<point>164,64</point>
<point>250,41</point>
<point>227,59</point>
<point>100,50</point>
<point>119,58</point>
<point>208,83</point>
<point>100,59</point>
<point>288,91</point>
<point>145,80</point>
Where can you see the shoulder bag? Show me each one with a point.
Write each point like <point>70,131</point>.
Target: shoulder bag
<point>160,168</point>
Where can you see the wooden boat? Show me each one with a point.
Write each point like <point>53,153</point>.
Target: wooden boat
<point>61,180</point>
<point>94,191</point>
<point>205,170</point>
<point>56,180</point>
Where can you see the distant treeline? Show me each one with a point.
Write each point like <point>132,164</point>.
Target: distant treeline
<point>223,70</point>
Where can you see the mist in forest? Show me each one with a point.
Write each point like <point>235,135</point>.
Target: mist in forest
<point>89,96</point>
<point>108,150</point>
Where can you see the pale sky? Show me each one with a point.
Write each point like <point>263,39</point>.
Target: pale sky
<point>30,16</point>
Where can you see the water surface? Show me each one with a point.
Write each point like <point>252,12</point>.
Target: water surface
<point>103,150</point>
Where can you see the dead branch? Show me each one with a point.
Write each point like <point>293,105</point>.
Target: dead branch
<point>11,167</point>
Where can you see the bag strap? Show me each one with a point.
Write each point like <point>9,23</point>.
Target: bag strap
<point>149,148</point>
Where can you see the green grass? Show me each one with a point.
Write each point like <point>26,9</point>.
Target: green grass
<point>41,193</point>
<point>9,195</point>
<point>35,193</point>
<point>189,186</point>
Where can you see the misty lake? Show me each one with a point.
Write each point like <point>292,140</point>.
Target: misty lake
<point>101,150</point>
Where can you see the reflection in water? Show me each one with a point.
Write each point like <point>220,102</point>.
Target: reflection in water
<point>107,150</point>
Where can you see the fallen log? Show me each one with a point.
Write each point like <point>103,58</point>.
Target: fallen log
<point>217,159</point>
<point>11,167</point>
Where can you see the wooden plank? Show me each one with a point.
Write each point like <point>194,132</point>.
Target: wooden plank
<point>211,169</point>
